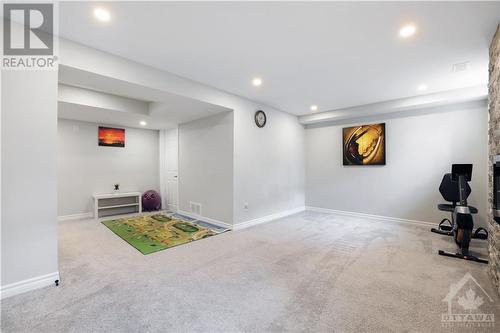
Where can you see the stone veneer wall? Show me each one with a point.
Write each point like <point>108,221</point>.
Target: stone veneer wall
<point>494,149</point>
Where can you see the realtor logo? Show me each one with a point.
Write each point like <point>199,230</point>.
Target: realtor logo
<point>36,37</point>
<point>465,299</point>
<point>28,36</point>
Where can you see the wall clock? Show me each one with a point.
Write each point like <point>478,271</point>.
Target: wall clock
<point>260,118</point>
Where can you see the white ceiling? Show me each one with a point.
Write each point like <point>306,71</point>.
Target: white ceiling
<point>91,97</point>
<point>335,55</point>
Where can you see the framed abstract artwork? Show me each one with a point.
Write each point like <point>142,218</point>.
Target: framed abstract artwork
<point>111,137</point>
<point>364,145</point>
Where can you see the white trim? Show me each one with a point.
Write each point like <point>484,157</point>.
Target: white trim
<point>369,216</point>
<point>79,216</point>
<point>206,219</point>
<point>162,159</point>
<point>172,208</point>
<point>268,218</point>
<point>23,286</point>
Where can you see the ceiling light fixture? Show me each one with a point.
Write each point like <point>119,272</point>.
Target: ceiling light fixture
<point>102,14</point>
<point>407,31</point>
<point>257,81</point>
<point>422,87</point>
<point>314,107</point>
<point>143,123</point>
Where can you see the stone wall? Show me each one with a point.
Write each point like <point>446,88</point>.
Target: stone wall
<point>494,149</point>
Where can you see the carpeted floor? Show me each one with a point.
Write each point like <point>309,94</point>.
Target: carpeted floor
<point>310,272</point>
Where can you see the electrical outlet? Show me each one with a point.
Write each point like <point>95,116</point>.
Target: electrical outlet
<point>461,67</point>
<point>246,205</point>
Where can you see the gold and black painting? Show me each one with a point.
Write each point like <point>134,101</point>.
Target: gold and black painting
<point>364,145</point>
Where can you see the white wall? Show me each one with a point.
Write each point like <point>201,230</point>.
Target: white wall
<point>84,168</point>
<point>254,180</point>
<point>29,176</point>
<point>420,149</point>
<point>268,164</point>
<point>206,166</point>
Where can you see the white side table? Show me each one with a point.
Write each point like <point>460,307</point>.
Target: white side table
<point>109,204</point>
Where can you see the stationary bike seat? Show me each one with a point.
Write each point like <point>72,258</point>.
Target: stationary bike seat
<point>451,208</point>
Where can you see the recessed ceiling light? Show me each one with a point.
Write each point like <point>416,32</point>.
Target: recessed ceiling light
<point>102,14</point>
<point>407,31</point>
<point>143,123</point>
<point>257,81</point>
<point>314,108</point>
<point>422,87</point>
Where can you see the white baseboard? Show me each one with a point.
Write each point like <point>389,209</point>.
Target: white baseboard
<point>80,216</point>
<point>172,208</point>
<point>206,219</point>
<point>268,218</point>
<point>369,216</point>
<point>28,285</point>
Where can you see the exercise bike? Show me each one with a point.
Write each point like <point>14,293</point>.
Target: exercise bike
<point>455,189</point>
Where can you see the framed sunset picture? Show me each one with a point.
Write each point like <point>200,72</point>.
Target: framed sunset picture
<point>111,137</point>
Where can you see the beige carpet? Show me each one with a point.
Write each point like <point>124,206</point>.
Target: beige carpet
<point>310,272</point>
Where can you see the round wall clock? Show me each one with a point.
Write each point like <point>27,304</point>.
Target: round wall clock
<point>260,118</point>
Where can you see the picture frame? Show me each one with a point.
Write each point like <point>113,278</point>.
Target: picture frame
<point>364,145</point>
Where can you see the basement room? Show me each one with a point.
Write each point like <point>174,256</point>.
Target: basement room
<point>250,166</point>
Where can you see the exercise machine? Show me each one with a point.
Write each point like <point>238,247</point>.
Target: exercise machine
<point>455,189</point>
